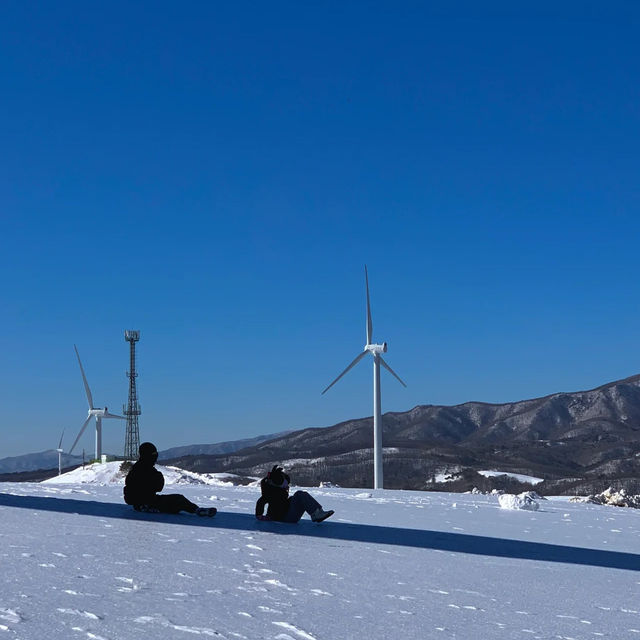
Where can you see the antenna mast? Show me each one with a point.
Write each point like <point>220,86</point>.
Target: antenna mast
<point>132,409</point>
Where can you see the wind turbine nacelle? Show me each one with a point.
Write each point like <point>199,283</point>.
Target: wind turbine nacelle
<point>377,348</point>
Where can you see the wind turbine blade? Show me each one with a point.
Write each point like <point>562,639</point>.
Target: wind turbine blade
<point>60,443</point>
<point>84,426</point>
<point>390,370</point>
<point>84,378</point>
<point>353,364</point>
<point>113,415</point>
<point>369,323</point>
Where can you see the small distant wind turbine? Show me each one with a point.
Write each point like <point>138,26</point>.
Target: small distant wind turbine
<point>60,451</point>
<point>375,350</point>
<point>94,412</point>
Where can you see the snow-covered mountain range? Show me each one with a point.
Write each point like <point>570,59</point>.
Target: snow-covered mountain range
<point>32,461</point>
<point>49,459</point>
<point>576,442</point>
<point>218,448</point>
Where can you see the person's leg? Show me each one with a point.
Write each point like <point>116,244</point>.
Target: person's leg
<point>174,503</point>
<point>300,502</point>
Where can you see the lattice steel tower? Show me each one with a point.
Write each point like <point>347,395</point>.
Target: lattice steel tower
<point>132,409</point>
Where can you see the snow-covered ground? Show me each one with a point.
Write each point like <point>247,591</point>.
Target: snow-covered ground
<point>78,563</point>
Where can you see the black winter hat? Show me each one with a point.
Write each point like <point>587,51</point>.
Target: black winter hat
<point>147,449</point>
<point>277,477</point>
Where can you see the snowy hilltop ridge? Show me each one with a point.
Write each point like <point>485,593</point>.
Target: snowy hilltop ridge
<point>111,473</point>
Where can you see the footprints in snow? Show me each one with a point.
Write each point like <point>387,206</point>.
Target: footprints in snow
<point>261,578</point>
<point>81,613</point>
<point>299,632</point>
<point>162,621</point>
<point>10,615</point>
<point>470,603</point>
<point>13,617</point>
<point>129,585</point>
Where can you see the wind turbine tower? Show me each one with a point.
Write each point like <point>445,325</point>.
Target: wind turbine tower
<point>132,409</point>
<point>376,350</point>
<point>60,451</point>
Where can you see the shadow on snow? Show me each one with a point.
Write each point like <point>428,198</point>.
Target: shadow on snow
<point>370,534</point>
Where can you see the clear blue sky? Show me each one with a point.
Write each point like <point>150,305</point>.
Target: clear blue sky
<point>216,175</point>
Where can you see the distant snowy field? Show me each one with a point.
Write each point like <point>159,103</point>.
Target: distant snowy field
<point>515,476</point>
<point>78,563</point>
<point>454,474</point>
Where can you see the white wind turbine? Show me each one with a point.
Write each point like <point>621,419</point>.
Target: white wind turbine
<point>94,412</point>
<point>60,451</point>
<point>375,350</point>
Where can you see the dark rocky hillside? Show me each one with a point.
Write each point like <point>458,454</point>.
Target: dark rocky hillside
<point>37,475</point>
<point>578,442</point>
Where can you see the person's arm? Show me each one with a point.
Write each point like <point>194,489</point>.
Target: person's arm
<point>158,481</point>
<point>260,505</point>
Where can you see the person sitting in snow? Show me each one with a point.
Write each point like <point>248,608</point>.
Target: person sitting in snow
<point>144,481</point>
<point>275,495</point>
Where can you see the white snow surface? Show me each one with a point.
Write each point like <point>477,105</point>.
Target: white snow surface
<point>78,563</point>
<point>517,476</point>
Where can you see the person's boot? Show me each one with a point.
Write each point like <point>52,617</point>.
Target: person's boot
<point>206,511</point>
<point>319,514</point>
<point>145,508</point>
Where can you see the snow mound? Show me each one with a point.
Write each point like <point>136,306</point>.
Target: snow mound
<point>612,498</point>
<point>110,473</point>
<point>523,502</point>
<point>96,473</point>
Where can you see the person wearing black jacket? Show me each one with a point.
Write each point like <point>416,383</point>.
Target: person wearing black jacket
<point>274,489</point>
<point>144,482</point>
